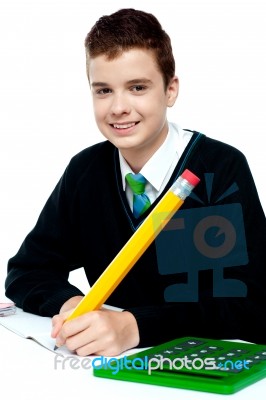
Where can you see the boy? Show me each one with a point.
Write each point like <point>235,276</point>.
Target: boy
<point>92,213</point>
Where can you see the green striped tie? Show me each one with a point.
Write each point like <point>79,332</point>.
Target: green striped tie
<point>141,201</point>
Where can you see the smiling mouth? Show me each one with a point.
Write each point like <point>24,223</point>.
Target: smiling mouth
<point>124,126</point>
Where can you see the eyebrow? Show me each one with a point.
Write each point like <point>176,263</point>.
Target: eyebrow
<point>139,80</point>
<point>99,84</point>
<point>130,82</point>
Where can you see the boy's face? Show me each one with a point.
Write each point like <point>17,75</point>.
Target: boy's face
<point>130,101</point>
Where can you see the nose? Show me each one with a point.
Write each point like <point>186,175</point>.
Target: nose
<point>120,104</point>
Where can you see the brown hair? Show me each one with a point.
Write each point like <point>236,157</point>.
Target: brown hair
<point>127,29</point>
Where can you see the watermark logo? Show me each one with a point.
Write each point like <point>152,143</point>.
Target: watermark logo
<point>146,363</point>
<point>197,363</point>
<point>210,237</point>
<point>72,362</point>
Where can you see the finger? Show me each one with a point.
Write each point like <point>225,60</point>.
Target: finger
<point>57,323</point>
<point>82,340</point>
<point>99,348</point>
<point>70,329</point>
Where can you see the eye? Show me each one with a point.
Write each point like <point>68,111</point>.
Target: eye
<point>138,88</point>
<point>103,91</point>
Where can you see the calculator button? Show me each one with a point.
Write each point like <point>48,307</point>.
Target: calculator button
<point>168,352</point>
<point>206,350</point>
<point>259,357</point>
<point>176,349</point>
<point>215,348</point>
<point>185,346</point>
<point>239,351</point>
<point>262,354</point>
<point>252,362</point>
<point>226,355</point>
<point>194,355</point>
<point>191,343</point>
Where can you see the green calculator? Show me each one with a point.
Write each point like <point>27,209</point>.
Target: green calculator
<point>207,365</point>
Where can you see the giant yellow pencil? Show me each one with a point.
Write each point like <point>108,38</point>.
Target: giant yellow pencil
<point>137,244</point>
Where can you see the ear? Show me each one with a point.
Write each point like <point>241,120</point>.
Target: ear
<point>172,91</point>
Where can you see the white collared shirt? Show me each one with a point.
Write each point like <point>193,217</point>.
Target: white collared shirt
<point>159,168</point>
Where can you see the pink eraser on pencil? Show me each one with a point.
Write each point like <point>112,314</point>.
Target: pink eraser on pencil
<point>190,177</point>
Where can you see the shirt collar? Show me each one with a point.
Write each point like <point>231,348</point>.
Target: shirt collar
<point>163,158</point>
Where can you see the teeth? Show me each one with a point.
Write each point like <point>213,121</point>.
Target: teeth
<point>123,126</point>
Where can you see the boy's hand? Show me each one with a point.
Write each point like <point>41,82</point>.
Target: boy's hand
<point>101,332</point>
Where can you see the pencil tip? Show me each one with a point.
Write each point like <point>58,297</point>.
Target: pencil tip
<point>55,348</point>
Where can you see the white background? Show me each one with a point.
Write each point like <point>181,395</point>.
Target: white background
<point>45,105</point>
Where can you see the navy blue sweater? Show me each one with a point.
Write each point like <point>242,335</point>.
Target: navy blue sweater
<point>205,274</point>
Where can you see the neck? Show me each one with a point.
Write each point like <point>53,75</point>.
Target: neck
<point>138,157</point>
<point>136,161</point>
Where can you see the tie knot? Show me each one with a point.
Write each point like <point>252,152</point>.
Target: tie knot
<point>136,182</point>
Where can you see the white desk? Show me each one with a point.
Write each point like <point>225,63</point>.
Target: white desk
<point>28,373</point>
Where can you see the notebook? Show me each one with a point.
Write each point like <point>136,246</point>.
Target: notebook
<point>31,326</point>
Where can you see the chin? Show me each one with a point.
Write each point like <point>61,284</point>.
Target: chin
<point>124,144</point>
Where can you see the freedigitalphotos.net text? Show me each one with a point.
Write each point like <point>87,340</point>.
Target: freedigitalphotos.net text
<point>148,364</point>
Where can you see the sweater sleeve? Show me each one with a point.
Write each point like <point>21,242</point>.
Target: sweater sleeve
<point>224,316</point>
<point>37,279</point>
